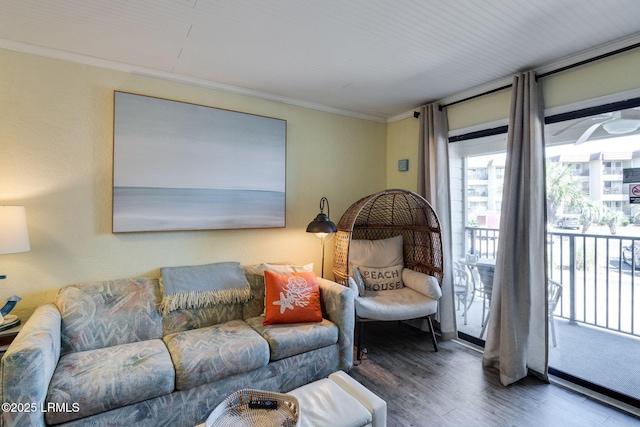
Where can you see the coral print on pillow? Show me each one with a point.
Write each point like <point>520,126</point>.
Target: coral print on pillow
<point>291,298</point>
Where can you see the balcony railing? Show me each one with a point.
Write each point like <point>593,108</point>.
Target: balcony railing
<point>612,170</point>
<point>599,275</point>
<point>478,176</point>
<point>612,190</point>
<point>580,172</point>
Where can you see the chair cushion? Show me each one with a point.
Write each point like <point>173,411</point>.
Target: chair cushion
<point>238,348</point>
<point>109,378</point>
<point>295,338</point>
<point>376,253</point>
<point>356,287</point>
<point>423,283</point>
<point>399,304</point>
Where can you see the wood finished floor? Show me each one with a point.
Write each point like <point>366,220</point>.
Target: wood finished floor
<point>451,388</point>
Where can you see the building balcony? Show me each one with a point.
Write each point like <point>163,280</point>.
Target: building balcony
<point>612,171</point>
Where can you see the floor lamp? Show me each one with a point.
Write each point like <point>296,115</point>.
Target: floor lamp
<point>14,238</point>
<point>322,226</point>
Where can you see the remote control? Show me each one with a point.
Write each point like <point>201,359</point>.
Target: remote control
<point>263,404</point>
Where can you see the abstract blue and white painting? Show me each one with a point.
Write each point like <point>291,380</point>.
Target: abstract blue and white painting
<point>179,166</point>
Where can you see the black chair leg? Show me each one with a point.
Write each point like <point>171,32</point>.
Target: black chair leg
<point>433,334</point>
<point>360,328</point>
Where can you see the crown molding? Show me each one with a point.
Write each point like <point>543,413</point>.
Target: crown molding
<point>402,116</point>
<point>471,92</point>
<point>147,72</point>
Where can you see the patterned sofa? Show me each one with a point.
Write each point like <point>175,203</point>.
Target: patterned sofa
<point>103,355</point>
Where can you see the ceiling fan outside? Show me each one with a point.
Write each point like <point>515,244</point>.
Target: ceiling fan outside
<point>614,123</point>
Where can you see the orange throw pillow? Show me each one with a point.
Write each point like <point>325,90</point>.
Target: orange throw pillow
<point>292,298</point>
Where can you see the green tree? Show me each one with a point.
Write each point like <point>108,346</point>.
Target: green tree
<point>563,191</point>
<point>590,212</point>
<point>635,214</point>
<point>612,218</point>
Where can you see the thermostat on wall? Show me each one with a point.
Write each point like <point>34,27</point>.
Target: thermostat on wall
<point>403,165</point>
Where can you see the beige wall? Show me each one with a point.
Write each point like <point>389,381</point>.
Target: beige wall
<point>605,77</point>
<point>56,142</point>
<point>402,143</point>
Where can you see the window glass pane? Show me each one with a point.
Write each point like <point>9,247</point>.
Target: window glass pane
<point>594,249</point>
<point>477,174</point>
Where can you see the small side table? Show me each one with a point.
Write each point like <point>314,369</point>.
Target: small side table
<point>7,336</point>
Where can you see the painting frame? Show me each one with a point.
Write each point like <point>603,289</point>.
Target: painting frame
<point>179,166</point>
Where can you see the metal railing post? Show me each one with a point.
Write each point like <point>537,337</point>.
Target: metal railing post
<point>473,241</point>
<point>572,280</point>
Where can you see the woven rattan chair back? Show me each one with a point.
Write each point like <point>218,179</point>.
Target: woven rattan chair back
<point>388,214</point>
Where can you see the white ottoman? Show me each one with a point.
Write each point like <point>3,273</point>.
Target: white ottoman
<point>339,401</point>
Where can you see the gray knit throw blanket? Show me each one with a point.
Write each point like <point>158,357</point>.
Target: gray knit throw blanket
<point>200,286</point>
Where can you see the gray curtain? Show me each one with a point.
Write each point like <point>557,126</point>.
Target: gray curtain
<point>517,330</point>
<point>433,185</point>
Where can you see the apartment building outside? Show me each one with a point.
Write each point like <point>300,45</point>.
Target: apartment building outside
<point>598,174</point>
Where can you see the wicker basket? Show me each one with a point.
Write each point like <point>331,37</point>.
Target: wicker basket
<point>234,411</point>
<point>388,214</point>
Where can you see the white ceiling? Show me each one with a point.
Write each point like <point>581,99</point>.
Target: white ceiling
<point>373,58</point>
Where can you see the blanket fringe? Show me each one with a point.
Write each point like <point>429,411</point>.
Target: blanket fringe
<point>199,299</point>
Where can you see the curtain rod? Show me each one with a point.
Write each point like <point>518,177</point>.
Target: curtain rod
<point>549,73</point>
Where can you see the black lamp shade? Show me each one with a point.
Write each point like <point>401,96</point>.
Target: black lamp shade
<point>321,224</point>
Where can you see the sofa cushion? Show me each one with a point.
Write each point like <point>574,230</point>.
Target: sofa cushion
<point>280,268</point>
<point>185,320</point>
<point>255,306</point>
<point>108,378</point>
<point>205,355</point>
<point>103,314</point>
<point>295,338</point>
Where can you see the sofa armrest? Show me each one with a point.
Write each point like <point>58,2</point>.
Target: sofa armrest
<point>338,306</point>
<point>27,366</point>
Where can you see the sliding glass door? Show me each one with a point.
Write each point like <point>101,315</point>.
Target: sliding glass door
<point>593,242</point>
<point>593,208</point>
<point>477,171</point>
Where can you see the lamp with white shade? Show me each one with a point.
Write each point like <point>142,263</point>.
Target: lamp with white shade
<point>14,238</point>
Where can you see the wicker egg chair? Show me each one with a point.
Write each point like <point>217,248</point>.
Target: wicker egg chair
<point>388,214</point>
